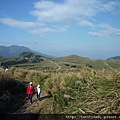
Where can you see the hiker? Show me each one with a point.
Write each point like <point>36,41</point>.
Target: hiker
<point>6,69</point>
<point>30,91</point>
<point>38,92</point>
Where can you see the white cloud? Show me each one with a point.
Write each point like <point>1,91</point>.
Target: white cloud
<point>86,23</point>
<point>32,27</point>
<point>19,24</point>
<point>105,31</point>
<point>71,10</point>
<point>49,15</point>
<point>47,30</point>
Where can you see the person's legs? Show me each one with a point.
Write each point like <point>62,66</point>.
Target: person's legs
<point>31,98</point>
<point>38,97</point>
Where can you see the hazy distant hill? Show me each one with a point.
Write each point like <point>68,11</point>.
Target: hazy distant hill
<point>114,58</point>
<point>14,50</point>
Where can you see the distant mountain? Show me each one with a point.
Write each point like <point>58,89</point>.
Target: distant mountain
<point>23,58</point>
<point>114,58</point>
<point>14,50</point>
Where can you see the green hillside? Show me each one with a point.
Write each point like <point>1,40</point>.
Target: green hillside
<point>92,84</point>
<point>33,61</point>
<point>78,62</point>
<point>72,59</point>
<point>24,58</point>
<point>2,58</point>
<point>94,91</point>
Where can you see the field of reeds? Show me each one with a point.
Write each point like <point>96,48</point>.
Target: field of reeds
<point>85,91</point>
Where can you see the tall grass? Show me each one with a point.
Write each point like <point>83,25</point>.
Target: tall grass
<point>37,77</point>
<point>85,91</point>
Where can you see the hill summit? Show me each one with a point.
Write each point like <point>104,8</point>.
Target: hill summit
<point>25,57</point>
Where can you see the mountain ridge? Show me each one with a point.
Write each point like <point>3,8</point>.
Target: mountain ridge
<point>31,60</point>
<point>15,50</point>
<point>114,58</point>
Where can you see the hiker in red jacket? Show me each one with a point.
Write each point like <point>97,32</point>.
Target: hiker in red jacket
<point>30,91</point>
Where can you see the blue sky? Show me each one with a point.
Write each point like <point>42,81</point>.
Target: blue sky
<point>62,27</point>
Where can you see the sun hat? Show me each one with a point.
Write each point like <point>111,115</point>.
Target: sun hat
<point>30,83</point>
<point>38,86</point>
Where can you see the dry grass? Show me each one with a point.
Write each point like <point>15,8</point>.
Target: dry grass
<point>37,77</point>
<point>86,91</point>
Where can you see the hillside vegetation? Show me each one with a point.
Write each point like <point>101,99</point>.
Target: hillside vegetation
<point>84,92</point>
<point>79,86</point>
<point>12,93</point>
<point>94,91</point>
<point>23,58</point>
<point>32,61</point>
<point>2,58</point>
<point>78,62</point>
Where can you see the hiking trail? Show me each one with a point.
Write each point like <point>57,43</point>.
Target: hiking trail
<point>59,67</point>
<point>108,66</point>
<point>35,107</point>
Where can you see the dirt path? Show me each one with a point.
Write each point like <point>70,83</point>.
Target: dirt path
<point>59,67</point>
<point>109,66</point>
<point>35,107</point>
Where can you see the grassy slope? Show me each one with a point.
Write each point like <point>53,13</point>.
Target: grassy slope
<point>2,58</point>
<point>11,93</point>
<point>94,91</point>
<point>67,62</point>
<point>95,87</point>
<point>81,61</point>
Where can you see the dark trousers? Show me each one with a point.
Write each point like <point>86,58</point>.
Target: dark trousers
<point>38,96</point>
<point>30,97</point>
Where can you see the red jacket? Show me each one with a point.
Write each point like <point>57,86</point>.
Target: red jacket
<point>30,90</point>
